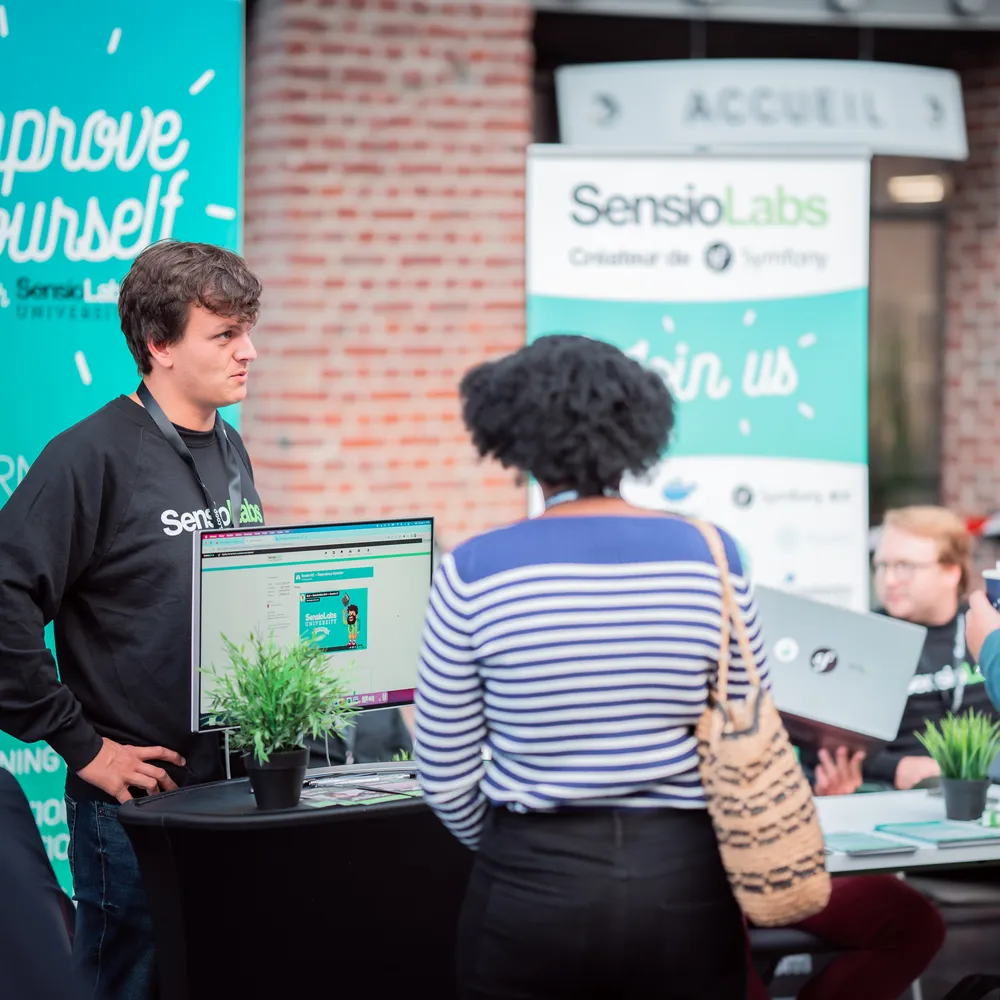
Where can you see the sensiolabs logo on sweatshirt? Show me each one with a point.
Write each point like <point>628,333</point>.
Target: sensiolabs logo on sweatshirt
<point>192,520</point>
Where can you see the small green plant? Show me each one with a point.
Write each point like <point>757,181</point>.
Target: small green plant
<point>275,697</point>
<point>964,746</point>
<point>401,755</point>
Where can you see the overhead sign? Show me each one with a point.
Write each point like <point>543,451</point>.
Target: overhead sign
<point>886,108</point>
<point>742,282</point>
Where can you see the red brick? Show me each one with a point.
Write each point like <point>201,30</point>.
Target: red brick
<point>422,113</point>
<point>971,466</point>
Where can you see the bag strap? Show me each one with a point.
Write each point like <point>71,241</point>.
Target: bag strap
<point>731,613</point>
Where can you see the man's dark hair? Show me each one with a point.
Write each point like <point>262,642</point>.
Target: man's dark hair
<point>169,277</point>
<point>573,412</point>
<point>354,608</point>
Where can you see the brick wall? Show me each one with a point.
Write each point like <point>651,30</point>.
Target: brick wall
<point>971,439</point>
<point>384,214</point>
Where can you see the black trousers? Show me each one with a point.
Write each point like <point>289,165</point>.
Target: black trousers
<point>600,905</point>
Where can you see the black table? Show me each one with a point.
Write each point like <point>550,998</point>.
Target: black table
<point>298,903</point>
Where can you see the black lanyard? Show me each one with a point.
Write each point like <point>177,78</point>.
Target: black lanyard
<point>229,455</point>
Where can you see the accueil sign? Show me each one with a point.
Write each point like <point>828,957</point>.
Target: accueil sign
<point>887,108</point>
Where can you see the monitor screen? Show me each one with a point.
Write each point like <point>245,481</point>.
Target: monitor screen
<point>359,590</point>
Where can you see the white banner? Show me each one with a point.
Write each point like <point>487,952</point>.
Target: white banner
<point>780,103</point>
<point>744,283</point>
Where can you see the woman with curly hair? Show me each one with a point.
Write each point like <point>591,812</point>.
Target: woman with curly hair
<point>577,648</point>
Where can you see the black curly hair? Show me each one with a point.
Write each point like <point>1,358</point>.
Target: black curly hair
<point>573,412</point>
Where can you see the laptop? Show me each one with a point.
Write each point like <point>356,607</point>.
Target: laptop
<point>839,677</point>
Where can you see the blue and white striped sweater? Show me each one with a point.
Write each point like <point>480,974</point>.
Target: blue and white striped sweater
<point>578,651</point>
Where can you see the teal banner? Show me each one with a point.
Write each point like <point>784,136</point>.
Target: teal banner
<point>777,378</point>
<point>121,124</point>
<point>742,281</point>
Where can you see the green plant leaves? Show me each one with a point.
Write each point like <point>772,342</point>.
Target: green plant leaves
<point>275,697</point>
<point>964,746</point>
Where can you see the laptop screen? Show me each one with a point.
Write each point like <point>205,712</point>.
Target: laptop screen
<point>359,591</point>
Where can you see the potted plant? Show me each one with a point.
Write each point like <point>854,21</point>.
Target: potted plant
<point>273,698</point>
<point>964,747</point>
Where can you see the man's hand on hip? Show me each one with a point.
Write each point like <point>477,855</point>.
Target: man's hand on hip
<point>117,766</point>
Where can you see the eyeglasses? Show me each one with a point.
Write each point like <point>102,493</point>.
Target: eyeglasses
<point>902,570</point>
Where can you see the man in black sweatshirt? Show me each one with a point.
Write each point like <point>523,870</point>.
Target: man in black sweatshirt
<point>98,539</point>
<point>923,567</point>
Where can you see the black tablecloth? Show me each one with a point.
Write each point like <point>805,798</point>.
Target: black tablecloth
<point>301,902</point>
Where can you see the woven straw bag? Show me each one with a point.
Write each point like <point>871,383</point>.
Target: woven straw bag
<point>759,800</point>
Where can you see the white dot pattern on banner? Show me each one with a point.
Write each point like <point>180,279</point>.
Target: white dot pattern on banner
<point>807,340</point>
<point>202,82</point>
<point>223,212</point>
<point>83,368</point>
<point>116,37</point>
<point>3,21</point>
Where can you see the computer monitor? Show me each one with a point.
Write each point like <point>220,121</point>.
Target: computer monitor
<point>359,590</point>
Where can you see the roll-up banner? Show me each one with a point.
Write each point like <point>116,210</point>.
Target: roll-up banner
<point>742,281</point>
<point>121,123</point>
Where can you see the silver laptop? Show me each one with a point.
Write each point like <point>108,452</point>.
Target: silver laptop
<point>839,677</point>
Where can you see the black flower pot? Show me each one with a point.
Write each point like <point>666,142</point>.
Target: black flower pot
<point>278,783</point>
<point>964,799</point>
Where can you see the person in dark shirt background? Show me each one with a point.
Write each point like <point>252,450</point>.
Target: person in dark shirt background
<point>923,571</point>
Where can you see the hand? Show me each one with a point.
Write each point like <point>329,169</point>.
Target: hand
<point>116,767</point>
<point>912,770</point>
<point>839,774</point>
<point>980,620</point>
<point>409,714</point>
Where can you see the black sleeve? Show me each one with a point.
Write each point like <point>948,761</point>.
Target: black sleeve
<point>19,837</point>
<point>882,767</point>
<point>48,533</point>
<point>35,952</point>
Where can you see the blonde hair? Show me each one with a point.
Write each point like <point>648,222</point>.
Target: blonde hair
<point>944,527</point>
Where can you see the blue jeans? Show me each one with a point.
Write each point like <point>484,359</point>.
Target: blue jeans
<point>113,941</point>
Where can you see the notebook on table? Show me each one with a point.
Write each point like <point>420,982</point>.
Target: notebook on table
<point>943,833</point>
<point>860,845</point>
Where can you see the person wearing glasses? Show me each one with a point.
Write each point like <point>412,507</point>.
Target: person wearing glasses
<point>923,571</point>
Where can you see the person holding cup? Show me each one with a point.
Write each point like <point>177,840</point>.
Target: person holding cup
<point>982,630</point>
